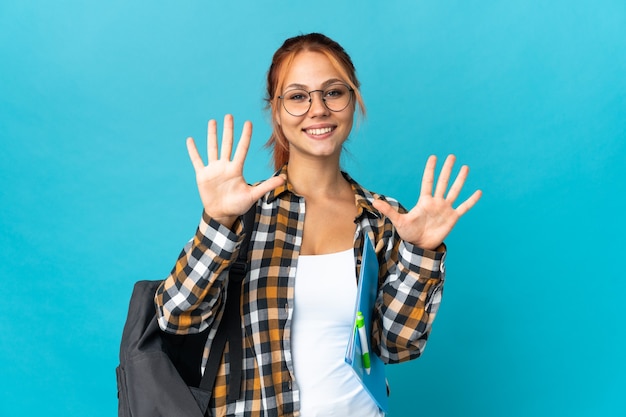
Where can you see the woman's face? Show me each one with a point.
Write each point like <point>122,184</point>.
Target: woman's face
<point>319,133</point>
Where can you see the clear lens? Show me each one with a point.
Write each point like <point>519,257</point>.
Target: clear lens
<point>296,102</point>
<point>336,97</point>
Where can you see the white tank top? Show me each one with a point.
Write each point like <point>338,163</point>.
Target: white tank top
<point>325,296</point>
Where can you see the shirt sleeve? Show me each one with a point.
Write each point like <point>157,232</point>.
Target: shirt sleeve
<point>408,299</point>
<point>190,298</point>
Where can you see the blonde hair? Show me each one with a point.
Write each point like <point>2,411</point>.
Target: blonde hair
<point>281,62</point>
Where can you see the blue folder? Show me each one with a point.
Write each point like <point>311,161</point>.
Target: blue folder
<point>375,382</point>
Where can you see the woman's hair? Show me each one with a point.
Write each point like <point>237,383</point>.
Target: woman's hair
<point>281,62</point>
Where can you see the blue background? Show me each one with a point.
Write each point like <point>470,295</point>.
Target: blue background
<point>97,98</point>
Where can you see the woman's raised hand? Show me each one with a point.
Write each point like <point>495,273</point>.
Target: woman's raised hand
<point>433,217</point>
<point>224,193</point>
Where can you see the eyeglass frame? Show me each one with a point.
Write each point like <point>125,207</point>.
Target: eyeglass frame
<point>350,90</point>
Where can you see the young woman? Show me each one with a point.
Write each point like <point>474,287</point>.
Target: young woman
<point>305,252</point>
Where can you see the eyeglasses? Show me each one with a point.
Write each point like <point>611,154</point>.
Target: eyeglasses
<point>335,97</point>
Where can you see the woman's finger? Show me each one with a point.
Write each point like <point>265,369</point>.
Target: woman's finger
<point>469,203</point>
<point>227,138</point>
<point>428,178</point>
<point>243,145</point>
<point>266,186</point>
<point>194,156</point>
<point>386,210</point>
<point>211,141</point>
<point>457,185</point>
<point>444,176</point>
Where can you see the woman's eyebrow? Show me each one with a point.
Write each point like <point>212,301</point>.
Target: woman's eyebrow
<point>306,88</point>
<point>296,86</point>
<point>332,81</point>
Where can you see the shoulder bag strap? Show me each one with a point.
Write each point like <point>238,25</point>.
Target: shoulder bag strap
<point>230,325</point>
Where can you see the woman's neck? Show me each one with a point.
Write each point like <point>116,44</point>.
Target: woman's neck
<point>316,178</point>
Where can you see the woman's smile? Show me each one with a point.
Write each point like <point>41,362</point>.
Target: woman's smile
<point>319,132</point>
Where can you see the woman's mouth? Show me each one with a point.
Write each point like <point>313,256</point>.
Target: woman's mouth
<point>319,131</point>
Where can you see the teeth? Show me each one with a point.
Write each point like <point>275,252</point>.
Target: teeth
<point>319,131</point>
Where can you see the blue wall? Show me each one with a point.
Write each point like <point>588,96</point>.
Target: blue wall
<point>96,99</point>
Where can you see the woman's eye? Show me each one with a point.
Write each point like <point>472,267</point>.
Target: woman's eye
<point>334,93</point>
<point>297,96</point>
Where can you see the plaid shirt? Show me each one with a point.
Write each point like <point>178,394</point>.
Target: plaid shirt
<point>191,298</point>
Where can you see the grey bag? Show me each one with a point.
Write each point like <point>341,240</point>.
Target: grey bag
<point>159,373</point>
<point>148,382</point>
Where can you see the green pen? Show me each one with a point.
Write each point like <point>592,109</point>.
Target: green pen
<point>360,326</point>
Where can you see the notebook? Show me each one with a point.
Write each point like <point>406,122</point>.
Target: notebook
<point>374,382</point>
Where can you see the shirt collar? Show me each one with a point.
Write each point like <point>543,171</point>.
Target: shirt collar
<point>280,190</point>
<point>362,197</point>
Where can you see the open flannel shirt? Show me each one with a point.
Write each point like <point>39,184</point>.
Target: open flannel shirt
<point>192,297</point>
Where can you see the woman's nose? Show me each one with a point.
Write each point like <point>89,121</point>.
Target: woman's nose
<point>318,107</point>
